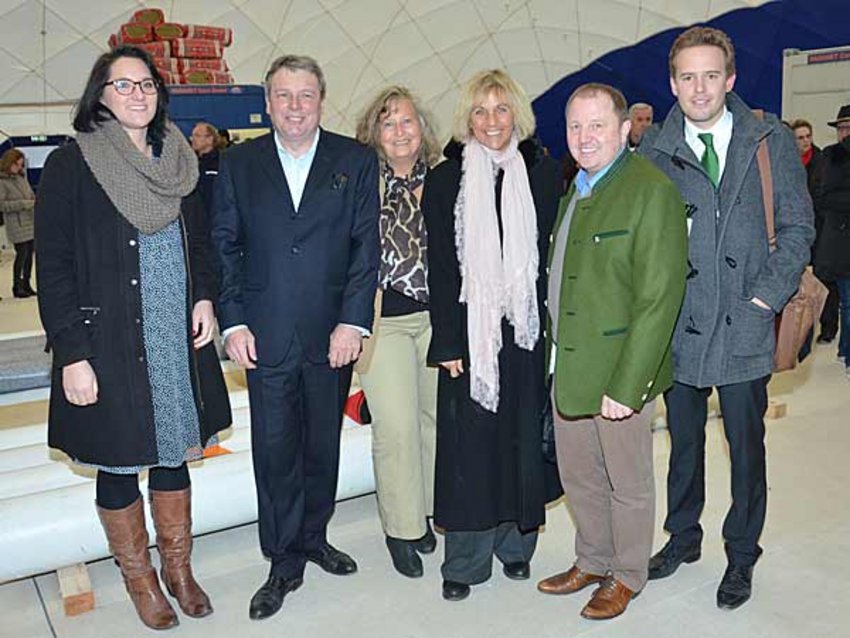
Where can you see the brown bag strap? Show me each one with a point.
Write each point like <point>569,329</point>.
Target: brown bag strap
<point>763,159</point>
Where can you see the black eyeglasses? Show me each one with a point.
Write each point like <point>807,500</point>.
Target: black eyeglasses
<point>126,87</point>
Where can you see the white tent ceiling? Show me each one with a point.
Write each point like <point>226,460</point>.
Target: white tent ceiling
<point>432,46</point>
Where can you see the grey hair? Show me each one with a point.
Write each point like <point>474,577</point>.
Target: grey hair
<point>292,62</point>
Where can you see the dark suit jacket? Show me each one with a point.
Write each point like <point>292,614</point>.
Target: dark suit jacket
<point>285,271</point>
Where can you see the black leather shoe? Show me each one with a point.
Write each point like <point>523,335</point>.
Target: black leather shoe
<point>825,338</point>
<point>332,560</point>
<point>268,599</point>
<point>736,586</point>
<point>405,559</point>
<point>667,561</point>
<point>517,571</point>
<point>428,543</point>
<point>454,591</point>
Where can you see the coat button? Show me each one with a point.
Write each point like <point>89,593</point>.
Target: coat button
<point>132,242</point>
<point>134,282</point>
<point>138,321</point>
<point>296,250</point>
<point>728,320</point>
<point>141,359</point>
<point>731,262</point>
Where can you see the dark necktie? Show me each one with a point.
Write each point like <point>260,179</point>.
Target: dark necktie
<point>709,159</point>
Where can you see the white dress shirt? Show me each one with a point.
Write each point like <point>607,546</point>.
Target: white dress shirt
<point>722,133</point>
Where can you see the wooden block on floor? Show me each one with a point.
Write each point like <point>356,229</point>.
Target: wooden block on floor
<point>75,586</point>
<point>776,410</point>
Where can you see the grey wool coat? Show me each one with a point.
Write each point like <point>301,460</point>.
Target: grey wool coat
<point>16,203</point>
<point>721,337</point>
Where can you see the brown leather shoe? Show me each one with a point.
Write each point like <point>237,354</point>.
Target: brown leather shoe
<point>172,518</point>
<point>568,582</point>
<point>128,542</point>
<point>609,601</point>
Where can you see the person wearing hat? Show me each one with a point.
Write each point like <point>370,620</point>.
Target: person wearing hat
<point>832,257</point>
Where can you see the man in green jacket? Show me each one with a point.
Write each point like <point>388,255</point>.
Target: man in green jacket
<point>617,278</point>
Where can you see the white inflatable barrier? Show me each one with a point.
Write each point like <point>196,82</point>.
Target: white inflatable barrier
<point>47,513</point>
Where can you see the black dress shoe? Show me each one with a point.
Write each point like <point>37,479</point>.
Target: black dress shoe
<point>454,591</point>
<point>428,543</point>
<point>405,559</point>
<point>268,599</point>
<point>517,571</point>
<point>332,560</point>
<point>736,586</point>
<point>825,338</point>
<point>673,554</point>
<point>20,293</point>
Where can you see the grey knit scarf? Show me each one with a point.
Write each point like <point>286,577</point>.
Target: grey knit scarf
<point>147,192</point>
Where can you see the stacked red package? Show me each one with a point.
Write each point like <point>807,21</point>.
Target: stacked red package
<point>152,17</point>
<point>183,53</point>
<point>195,48</point>
<point>202,76</point>
<point>202,32</point>
<point>169,31</point>
<point>184,65</point>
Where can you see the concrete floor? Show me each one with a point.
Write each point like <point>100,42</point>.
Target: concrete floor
<point>801,584</point>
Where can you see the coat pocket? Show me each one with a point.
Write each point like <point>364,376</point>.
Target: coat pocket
<point>752,329</point>
<point>598,238</point>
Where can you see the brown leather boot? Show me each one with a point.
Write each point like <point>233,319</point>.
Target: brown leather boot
<point>128,542</point>
<point>172,517</point>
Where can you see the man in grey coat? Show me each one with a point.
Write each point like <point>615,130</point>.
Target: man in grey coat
<point>724,337</point>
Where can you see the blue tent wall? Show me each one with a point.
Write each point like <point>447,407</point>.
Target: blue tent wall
<point>760,35</point>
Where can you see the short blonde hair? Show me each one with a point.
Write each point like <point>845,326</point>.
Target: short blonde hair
<point>369,123</point>
<point>484,83</point>
<point>703,36</point>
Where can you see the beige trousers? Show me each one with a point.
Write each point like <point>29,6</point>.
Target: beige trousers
<point>402,395</point>
<point>606,472</point>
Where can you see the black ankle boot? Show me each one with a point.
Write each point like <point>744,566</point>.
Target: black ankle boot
<point>405,559</point>
<point>19,292</point>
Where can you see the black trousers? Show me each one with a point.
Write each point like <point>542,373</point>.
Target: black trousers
<point>829,317</point>
<point>469,555</point>
<point>22,268</point>
<point>743,406</point>
<point>296,416</point>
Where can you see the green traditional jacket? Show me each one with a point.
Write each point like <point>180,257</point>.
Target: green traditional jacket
<point>622,286</point>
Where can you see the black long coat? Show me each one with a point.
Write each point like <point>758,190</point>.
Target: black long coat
<point>832,203</point>
<point>91,308</point>
<point>489,467</point>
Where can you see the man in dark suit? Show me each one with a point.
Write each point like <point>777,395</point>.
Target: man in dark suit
<point>295,223</point>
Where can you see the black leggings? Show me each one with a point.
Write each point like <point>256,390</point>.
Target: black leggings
<point>22,268</point>
<point>117,491</point>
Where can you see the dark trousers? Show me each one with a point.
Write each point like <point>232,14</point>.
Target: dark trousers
<point>22,268</point>
<point>296,415</point>
<point>829,316</point>
<point>743,406</point>
<point>468,557</point>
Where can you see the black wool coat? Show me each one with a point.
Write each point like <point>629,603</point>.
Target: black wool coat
<point>489,467</point>
<point>91,307</point>
<point>832,203</point>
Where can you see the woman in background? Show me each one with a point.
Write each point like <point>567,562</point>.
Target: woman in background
<point>16,203</point>
<point>126,292</point>
<point>489,210</point>
<point>400,388</point>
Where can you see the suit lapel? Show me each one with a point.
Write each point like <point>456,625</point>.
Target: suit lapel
<point>317,178</point>
<point>270,163</point>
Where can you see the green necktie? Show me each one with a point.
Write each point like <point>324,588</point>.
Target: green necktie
<point>709,159</point>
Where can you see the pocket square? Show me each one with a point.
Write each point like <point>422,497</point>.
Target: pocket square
<point>338,181</point>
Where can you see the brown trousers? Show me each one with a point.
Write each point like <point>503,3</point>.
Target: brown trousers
<point>607,475</point>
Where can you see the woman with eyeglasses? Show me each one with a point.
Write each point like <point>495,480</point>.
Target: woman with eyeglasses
<point>125,295</point>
